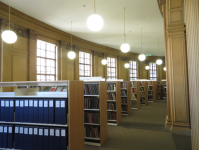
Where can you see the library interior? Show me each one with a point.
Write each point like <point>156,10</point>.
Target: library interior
<point>99,75</point>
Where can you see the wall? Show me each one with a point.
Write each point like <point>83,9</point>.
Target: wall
<point>19,59</point>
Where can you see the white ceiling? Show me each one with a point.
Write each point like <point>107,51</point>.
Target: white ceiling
<point>139,14</point>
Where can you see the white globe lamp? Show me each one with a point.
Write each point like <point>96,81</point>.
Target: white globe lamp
<point>71,55</point>
<point>9,36</point>
<point>165,68</point>
<point>126,65</point>
<point>147,67</point>
<point>104,61</point>
<point>95,22</point>
<point>159,62</point>
<point>141,57</point>
<point>125,47</point>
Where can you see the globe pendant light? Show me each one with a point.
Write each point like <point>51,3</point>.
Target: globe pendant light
<point>141,57</point>
<point>95,21</point>
<point>9,36</point>
<point>104,61</point>
<point>165,68</point>
<point>159,61</point>
<point>125,47</point>
<point>147,67</point>
<point>126,65</point>
<point>71,54</point>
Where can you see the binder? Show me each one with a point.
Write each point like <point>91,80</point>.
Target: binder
<point>10,137</point>
<point>21,113</point>
<point>52,139</point>
<point>2,110</point>
<point>26,139</point>
<point>41,139</point>
<point>46,138</point>
<point>64,111</point>
<point>26,113</point>
<point>64,139</point>
<point>16,137</point>
<point>41,111</point>
<point>31,111</point>
<point>51,112</point>
<point>31,139</point>
<point>21,138</point>
<point>7,110</point>
<point>36,112</point>
<point>35,139</point>
<point>1,136</point>
<point>57,139</point>
<point>45,111</point>
<point>57,112</point>
<point>17,111</point>
<point>11,110</point>
<point>5,137</point>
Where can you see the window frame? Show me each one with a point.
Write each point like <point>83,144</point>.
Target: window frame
<point>152,70</point>
<point>84,64</point>
<point>112,77</point>
<point>133,78</point>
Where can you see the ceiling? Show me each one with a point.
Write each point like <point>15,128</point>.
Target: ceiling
<point>139,14</point>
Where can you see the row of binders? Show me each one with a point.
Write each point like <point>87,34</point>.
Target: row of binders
<point>6,136</point>
<point>48,111</point>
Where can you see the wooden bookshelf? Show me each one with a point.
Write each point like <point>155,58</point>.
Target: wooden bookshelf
<point>135,94</point>
<point>115,90</point>
<point>75,116</point>
<point>102,111</point>
<point>159,90</point>
<point>152,91</point>
<point>144,92</point>
<point>125,98</point>
<point>164,89</point>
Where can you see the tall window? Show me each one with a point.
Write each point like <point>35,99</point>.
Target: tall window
<point>111,68</point>
<point>46,61</point>
<point>133,70</point>
<point>84,64</point>
<point>153,71</point>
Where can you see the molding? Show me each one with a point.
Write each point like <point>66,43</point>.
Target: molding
<point>160,3</point>
<point>99,54</point>
<point>33,35</point>
<point>68,46</point>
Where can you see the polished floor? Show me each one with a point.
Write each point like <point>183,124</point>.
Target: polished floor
<point>144,130</point>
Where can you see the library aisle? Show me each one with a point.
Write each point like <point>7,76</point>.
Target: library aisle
<point>144,129</point>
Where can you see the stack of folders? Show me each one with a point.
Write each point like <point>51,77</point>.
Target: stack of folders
<point>7,110</point>
<point>40,138</point>
<point>6,136</point>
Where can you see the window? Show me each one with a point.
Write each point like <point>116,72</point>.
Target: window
<point>133,70</point>
<point>111,68</point>
<point>46,61</point>
<point>84,64</point>
<point>153,71</point>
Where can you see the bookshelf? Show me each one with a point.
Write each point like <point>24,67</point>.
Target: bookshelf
<point>160,90</point>
<point>113,99</point>
<point>152,91</point>
<point>95,113</point>
<point>68,131</point>
<point>135,94</point>
<point>164,89</point>
<point>143,92</point>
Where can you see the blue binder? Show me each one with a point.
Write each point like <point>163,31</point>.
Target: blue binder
<point>36,136</point>
<point>10,136</point>
<point>21,114</point>
<point>2,110</point>
<point>16,137</point>
<point>21,138</point>
<point>31,111</point>
<point>41,111</point>
<point>41,139</point>
<point>17,111</point>
<point>57,112</point>
<point>57,139</point>
<point>64,112</point>
<point>26,139</point>
<point>46,138</point>
<point>36,111</point>
<point>31,139</point>
<point>51,111</point>
<point>5,137</point>
<point>26,113</point>
<point>52,139</point>
<point>46,111</point>
<point>64,139</point>
<point>1,136</point>
<point>11,110</point>
<point>7,110</point>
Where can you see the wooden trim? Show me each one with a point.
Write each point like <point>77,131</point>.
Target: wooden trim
<point>146,92</point>
<point>128,98</point>
<point>138,94</point>
<point>154,83</point>
<point>118,101</point>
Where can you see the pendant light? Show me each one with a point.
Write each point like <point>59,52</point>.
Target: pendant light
<point>147,67</point>
<point>95,21</point>
<point>9,36</point>
<point>164,68</point>
<point>141,57</point>
<point>71,54</point>
<point>159,61</point>
<point>104,61</point>
<point>125,47</point>
<point>126,65</point>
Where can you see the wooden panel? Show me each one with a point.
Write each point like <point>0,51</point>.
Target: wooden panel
<point>175,4</point>
<point>128,98</point>
<point>76,115</point>
<point>118,101</point>
<point>138,94</point>
<point>146,92</point>
<point>21,44</point>
<point>103,112</point>
<point>176,16</point>
<point>70,70</point>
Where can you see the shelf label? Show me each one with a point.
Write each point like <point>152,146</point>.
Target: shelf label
<point>17,103</point>
<point>51,103</point>
<point>11,103</point>
<point>10,130</point>
<point>40,103</point>
<point>25,130</point>
<point>31,103</point>
<point>1,129</point>
<point>57,133</point>
<point>57,103</point>
<point>52,132</point>
<point>35,103</point>
<point>46,132</point>
<point>30,131</point>
<point>16,129</point>
<point>45,103</point>
<point>35,131</point>
<point>2,103</point>
<point>40,131</point>
<point>63,104</point>
<point>7,103</point>
<point>26,103</point>
<point>63,132</point>
<point>21,130</point>
<point>5,130</point>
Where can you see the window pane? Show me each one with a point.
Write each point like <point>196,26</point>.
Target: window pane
<point>84,64</point>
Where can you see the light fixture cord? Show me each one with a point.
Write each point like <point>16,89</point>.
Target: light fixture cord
<point>94,8</point>
<point>141,40</point>
<point>9,14</point>
<point>124,27</point>
<point>104,47</point>
<point>71,35</point>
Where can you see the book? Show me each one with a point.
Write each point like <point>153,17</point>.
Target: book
<point>52,89</point>
<point>65,89</point>
<point>47,89</point>
<point>59,89</point>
